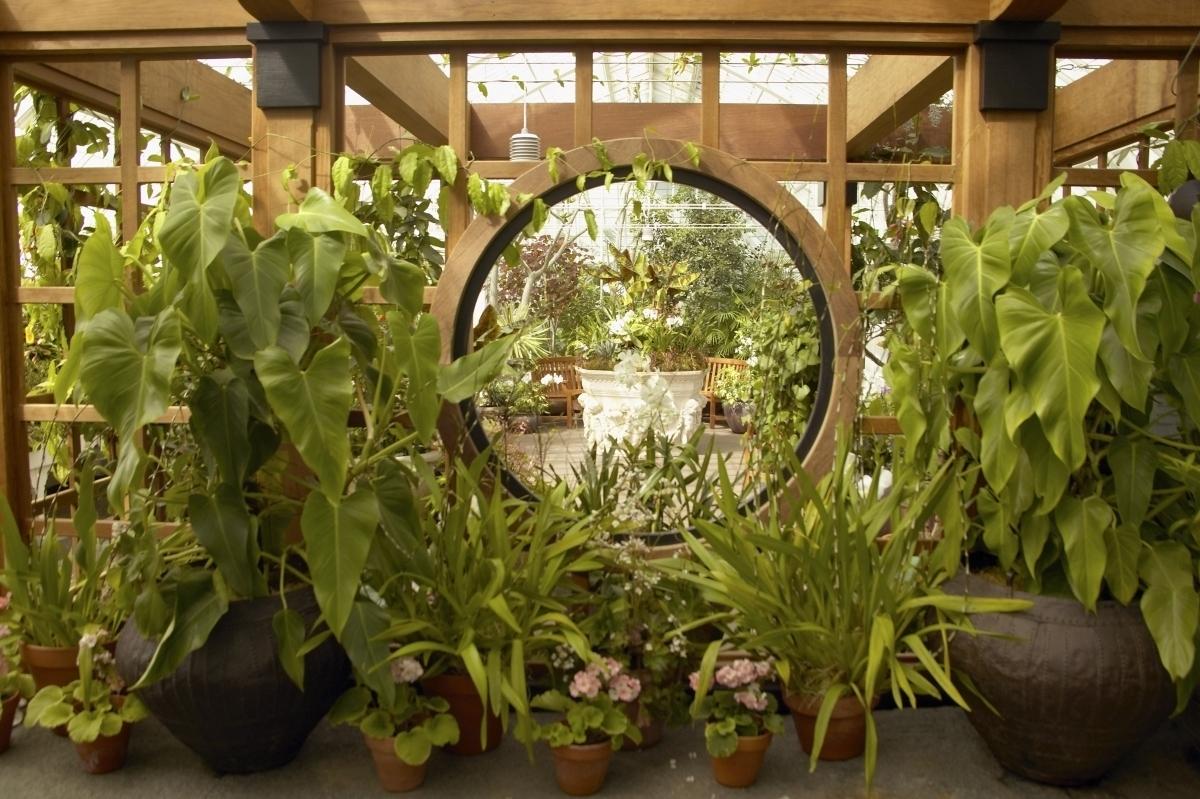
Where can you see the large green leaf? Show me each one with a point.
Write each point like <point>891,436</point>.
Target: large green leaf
<point>1082,523</point>
<point>313,405</point>
<point>1130,376</point>
<point>1124,546</point>
<point>976,267</point>
<point>198,304</point>
<point>126,370</point>
<point>1185,369</point>
<point>338,539</point>
<point>200,216</point>
<point>917,287</point>
<point>258,278</point>
<point>197,609</point>
<point>99,273</point>
<point>417,352</point>
<point>1170,604</point>
<point>362,638</point>
<point>1124,252</point>
<point>1054,355</point>
<point>465,376</point>
<point>223,527</point>
<point>1032,234</point>
<point>220,408</point>
<point>1133,463</point>
<point>998,450</point>
<point>320,213</point>
<point>316,260</point>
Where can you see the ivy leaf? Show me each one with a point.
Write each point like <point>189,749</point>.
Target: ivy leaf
<point>1170,604</point>
<point>200,216</point>
<point>976,267</point>
<point>316,261</point>
<point>313,405</point>
<point>1054,355</point>
<point>337,536</point>
<point>1082,524</point>
<point>589,216</point>
<point>258,278</point>
<point>223,527</point>
<point>99,273</point>
<point>445,161</point>
<point>320,213</point>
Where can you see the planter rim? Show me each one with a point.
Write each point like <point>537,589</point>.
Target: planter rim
<point>581,749</point>
<point>754,742</point>
<point>583,371</point>
<point>971,583</point>
<point>847,706</point>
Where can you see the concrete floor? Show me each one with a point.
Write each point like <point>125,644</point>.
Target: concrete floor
<point>924,754</point>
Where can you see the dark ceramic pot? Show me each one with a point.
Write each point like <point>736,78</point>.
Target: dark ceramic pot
<point>1076,691</point>
<point>735,416</point>
<point>230,701</point>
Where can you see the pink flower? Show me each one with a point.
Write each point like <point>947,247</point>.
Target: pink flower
<point>407,670</point>
<point>762,668</point>
<point>736,674</point>
<point>752,700</point>
<point>625,688</point>
<point>694,680</point>
<point>585,684</point>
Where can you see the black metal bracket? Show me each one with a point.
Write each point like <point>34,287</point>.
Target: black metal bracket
<point>1017,64</point>
<point>287,63</point>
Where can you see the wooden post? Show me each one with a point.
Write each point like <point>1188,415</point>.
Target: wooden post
<point>583,97</point>
<point>460,140</point>
<point>837,217</point>
<point>1187,84</point>
<point>710,97</point>
<point>14,441</point>
<point>129,125</point>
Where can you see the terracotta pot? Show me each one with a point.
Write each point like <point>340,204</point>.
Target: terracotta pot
<point>8,711</point>
<point>1076,691</point>
<point>467,709</point>
<point>395,775</point>
<point>846,736</point>
<point>230,701</point>
<point>51,665</point>
<point>580,769</point>
<point>740,770</point>
<point>106,753</point>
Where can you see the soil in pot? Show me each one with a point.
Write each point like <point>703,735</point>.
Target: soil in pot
<point>51,665</point>
<point>1075,691</point>
<point>740,770</point>
<point>467,709</point>
<point>846,736</point>
<point>8,711</point>
<point>395,775</point>
<point>581,769</point>
<point>230,701</point>
<point>105,754</point>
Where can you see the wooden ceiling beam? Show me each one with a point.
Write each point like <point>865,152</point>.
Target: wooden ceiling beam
<point>280,10</point>
<point>218,109</point>
<point>408,88</point>
<point>1025,10</point>
<point>889,90</point>
<point>1109,107</point>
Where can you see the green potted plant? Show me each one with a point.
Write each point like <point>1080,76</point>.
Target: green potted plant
<point>1062,338</point>
<point>399,725</point>
<point>15,684</point>
<point>592,726</point>
<point>95,708</point>
<point>740,718</point>
<point>734,388</point>
<point>844,616</point>
<point>473,582</point>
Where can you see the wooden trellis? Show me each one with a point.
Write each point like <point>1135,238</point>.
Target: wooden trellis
<point>920,48</point>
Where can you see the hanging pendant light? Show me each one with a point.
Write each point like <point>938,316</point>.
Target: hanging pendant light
<point>524,146</point>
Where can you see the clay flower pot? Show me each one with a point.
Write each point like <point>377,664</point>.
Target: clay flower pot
<point>581,768</point>
<point>106,753</point>
<point>740,770</point>
<point>846,736</point>
<point>8,710</point>
<point>395,775</point>
<point>650,727</point>
<point>51,665</point>
<point>467,708</point>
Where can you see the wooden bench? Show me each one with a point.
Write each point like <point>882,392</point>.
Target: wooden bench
<point>715,367</point>
<point>568,389</point>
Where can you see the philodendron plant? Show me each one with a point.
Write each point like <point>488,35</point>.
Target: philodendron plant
<point>1065,338</point>
<point>263,342</point>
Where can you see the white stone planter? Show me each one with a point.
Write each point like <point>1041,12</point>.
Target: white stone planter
<point>624,406</point>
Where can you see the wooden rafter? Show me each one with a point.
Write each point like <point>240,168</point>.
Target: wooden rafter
<point>1025,10</point>
<point>408,88</point>
<point>186,99</point>
<point>889,90</point>
<point>1109,107</point>
<point>280,10</point>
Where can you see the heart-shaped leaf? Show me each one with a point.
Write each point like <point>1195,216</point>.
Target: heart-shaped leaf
<point>200,216</point>
<point>338,538</point>
<point>320,213</point>
<point>316,260</point>
<point>99,273</point>
<point>223,527</point>
<point>258,278</point>
<point>1082,524</point>
<point>976,267</point>
<point>1170,604</point>
<point>417,352</point>
<point>220,408</point>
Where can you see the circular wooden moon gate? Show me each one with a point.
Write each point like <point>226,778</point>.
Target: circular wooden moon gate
<point>731,179</point>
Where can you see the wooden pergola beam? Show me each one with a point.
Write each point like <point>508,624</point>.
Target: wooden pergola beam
<point>1025,10</point>
<point>280,10</point>
<point>188,100</point>
<point>408,88</point>
<point>1109,107</point>
<point>889,90</point>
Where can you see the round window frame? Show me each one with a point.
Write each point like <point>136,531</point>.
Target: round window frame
<point>734,180</point>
